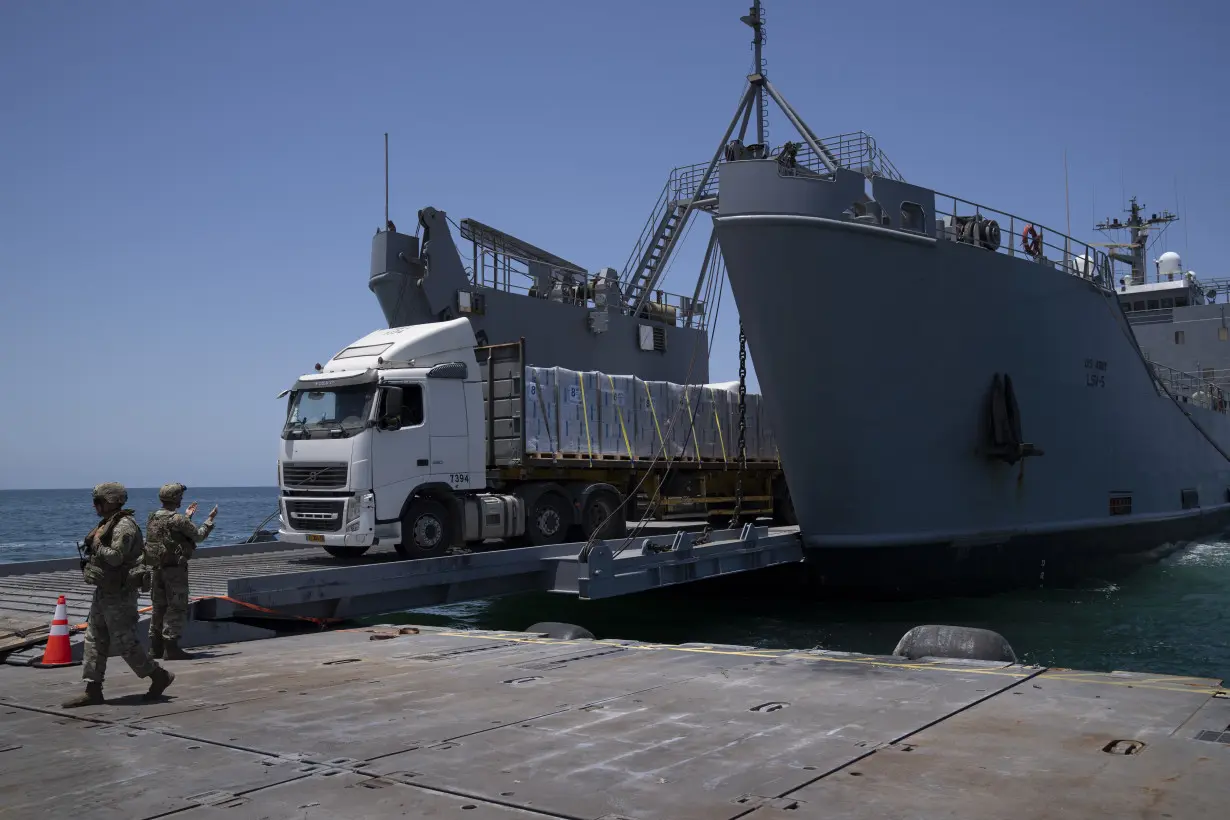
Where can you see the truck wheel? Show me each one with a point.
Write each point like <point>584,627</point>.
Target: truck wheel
<point>603,506</point>
<point>425,531</point>
<point>549,520</point>
<point>346,552</point>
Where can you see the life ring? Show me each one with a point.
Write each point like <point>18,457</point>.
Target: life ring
<point>1031,241</point>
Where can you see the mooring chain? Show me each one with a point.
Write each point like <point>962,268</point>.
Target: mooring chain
<point>734,521</point>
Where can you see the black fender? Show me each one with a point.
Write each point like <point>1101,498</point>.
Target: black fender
<point>590,489</point>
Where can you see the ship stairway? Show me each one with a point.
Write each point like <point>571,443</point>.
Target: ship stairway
<point>669,222</point>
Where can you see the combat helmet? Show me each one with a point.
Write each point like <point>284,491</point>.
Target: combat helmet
<point>111,492</point>
<point>171,492</point>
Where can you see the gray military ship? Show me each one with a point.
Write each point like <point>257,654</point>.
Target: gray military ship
<point>986,414</point>
<point>983,416</point>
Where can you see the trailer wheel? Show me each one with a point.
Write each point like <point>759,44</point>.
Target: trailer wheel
<point>603,506</point>
<point>548,520</point>
<point>424,530</point>
<point>346,552</point>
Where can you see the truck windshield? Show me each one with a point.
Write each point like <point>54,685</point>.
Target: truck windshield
<point>321,412</point>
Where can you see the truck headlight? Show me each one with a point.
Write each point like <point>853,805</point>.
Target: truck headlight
<point>352,509</point>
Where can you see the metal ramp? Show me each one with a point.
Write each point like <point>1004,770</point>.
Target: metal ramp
<point>276,585</point>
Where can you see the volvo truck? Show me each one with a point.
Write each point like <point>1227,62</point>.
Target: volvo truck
<point>416,437</point>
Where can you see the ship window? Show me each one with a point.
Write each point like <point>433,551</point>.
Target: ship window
<point>1153,304</point>
<point>1223,333</point>
<point>1168,303</point>
<point>1180,301</point>
<point>912,217</point>
<point>1138,306</point>
<point>1179,338</point>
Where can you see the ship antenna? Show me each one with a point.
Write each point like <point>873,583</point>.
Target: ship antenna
<point>755,19</point>
<point>386,178</point>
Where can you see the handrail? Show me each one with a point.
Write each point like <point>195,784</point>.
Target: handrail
<point>1190,388</point>
<point>1071,255</point>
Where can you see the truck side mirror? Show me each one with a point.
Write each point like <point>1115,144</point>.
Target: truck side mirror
<point>391,417</point>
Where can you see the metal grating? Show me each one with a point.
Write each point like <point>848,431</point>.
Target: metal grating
<point>315,516</point>
<point>300,475</point>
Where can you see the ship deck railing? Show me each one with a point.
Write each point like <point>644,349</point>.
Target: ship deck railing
<point>854,151</point>
<point>1149,317</point>
<point>511,275</point>
<point>1206,390</point>
<point>1056,249</point>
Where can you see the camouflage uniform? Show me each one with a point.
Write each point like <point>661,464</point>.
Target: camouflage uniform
<point>171,538</point>
<point>114,551</point>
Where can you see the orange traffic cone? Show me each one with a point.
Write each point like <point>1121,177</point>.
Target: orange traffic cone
<point>58,652</point>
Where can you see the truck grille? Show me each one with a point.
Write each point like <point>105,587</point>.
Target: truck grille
<point>315,516</point>
<point>331,476</point>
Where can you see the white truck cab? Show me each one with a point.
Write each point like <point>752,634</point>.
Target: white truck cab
<point>397,411</point>
<point>414,436</point>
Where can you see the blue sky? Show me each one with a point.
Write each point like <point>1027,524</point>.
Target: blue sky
<point>188,190</point>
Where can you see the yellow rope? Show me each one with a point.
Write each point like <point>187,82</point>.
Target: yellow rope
<point>585,414</point>
<point>692,420</point>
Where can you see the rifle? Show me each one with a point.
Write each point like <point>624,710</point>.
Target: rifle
<point>84,553</point>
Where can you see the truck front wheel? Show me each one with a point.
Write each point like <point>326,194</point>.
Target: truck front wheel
<point>425,531</point>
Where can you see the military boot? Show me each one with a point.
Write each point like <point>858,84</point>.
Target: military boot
<point>160,679</point>
<point>155,646</point>
<point>91,697</point>
<point>174,653</point>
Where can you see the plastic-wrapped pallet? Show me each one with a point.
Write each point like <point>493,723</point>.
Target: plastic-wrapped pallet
<point>768,442</point>
<point>672,419</point>
<point>616,415</point>
<point>751,430</point>
<point>644,434</point>
<point>656,405</point>
<point>578,411</point>
<point>541,411</point>
<point>752,437</point>
<point>698,413</point>
<point>722,446</point>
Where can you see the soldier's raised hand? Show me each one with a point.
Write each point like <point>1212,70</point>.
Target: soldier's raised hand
<point>213,513</point>
<point>191,511</point>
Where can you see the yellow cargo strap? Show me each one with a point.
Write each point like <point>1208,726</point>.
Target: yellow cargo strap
<point>654,414</point>
<point>585,414</point>
<point>687,400</point>
<point>619,414</point>
<point>718,423</point>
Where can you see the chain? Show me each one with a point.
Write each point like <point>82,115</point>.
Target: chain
<point>734,521</point>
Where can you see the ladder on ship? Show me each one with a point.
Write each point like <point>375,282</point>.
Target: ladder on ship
<point>645,274</point>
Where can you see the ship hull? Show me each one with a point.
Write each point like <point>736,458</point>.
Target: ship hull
<point>876,349</point>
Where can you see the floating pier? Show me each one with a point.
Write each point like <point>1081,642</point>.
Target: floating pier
<point>271,584</point>
<point>425,722</point>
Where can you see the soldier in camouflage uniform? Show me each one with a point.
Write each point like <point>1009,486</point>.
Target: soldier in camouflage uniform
<point>170,540</point>
<point>113,555</point>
